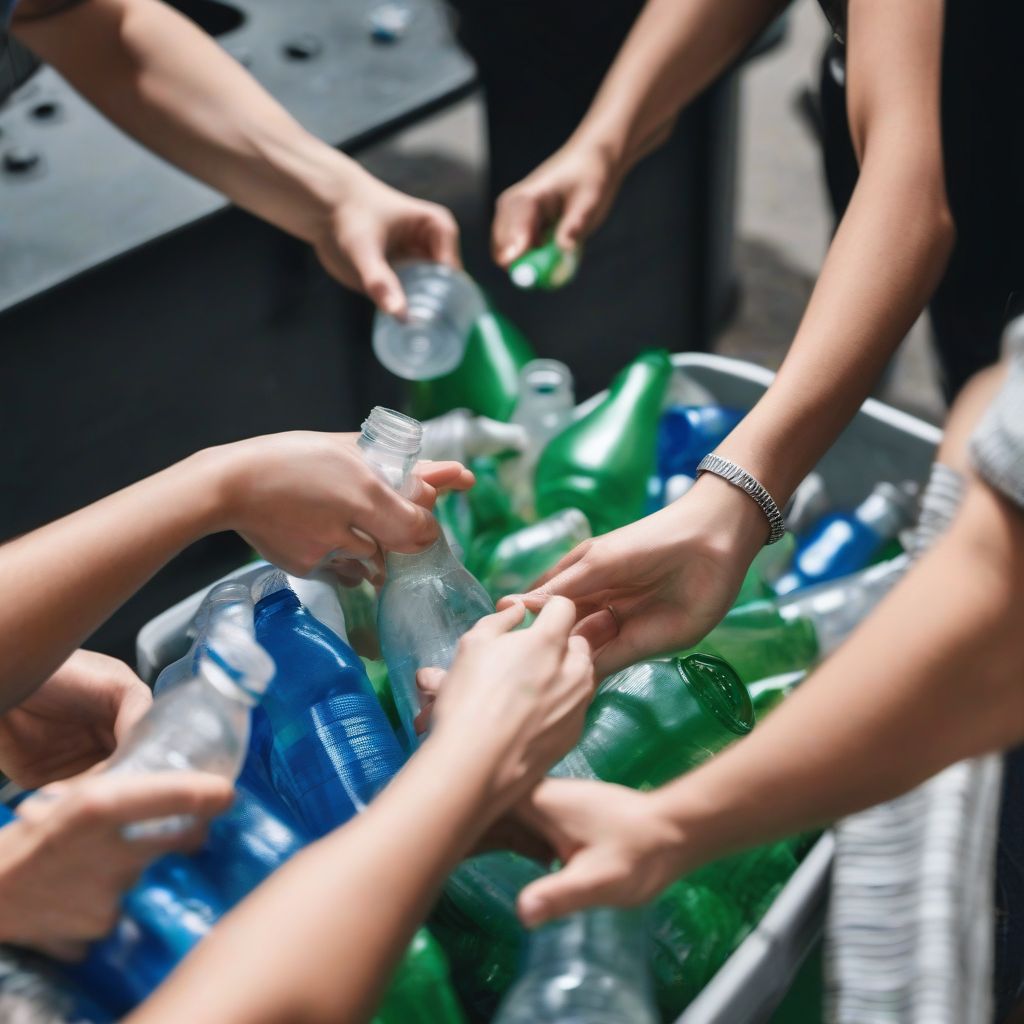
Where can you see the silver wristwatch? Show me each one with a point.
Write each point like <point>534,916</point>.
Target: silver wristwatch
<point>740,478</point>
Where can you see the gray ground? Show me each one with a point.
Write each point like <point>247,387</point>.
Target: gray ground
<point>783,222</point>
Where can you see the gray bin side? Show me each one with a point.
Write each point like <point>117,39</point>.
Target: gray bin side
<point>880,443</point>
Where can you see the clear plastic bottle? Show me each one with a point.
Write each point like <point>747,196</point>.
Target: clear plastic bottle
<point>809,503</point>
<point>587,968</point>
<point>201,724</point>
<point>544,409</point>
<point>461,435</point>
<point>429,600</point>
<point>443,305</point>
<point>844,542</point>
<point>520,558</point>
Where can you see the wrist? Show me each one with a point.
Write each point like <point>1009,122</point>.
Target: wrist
<point>728,521</point>
<point>686,828</point>
<point>213,480</point>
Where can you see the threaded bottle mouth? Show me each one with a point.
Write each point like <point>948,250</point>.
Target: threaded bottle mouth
<point>393,431</point>
<point>719,690</point>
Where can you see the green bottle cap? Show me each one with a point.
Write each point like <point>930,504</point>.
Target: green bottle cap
<point>547,267</point>
<point>719,691</point>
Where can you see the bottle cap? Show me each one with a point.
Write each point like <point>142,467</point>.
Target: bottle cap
<point>718,689</point>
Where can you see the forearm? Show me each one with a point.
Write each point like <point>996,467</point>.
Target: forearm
<point>74,573</point>
<point>341,913</point>
<point>886,259</point>
<point>932,677</point>
<point>165,82</point>
<point>674,51</point>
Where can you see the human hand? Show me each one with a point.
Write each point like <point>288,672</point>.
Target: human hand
<point>516,700</point>
<point>73,720</point>
<point>64,862</point>
<point>371,227</point>
<point>616,847</point>
<point>661,583</point>
<point>306,500</point>
<point>571,192</point>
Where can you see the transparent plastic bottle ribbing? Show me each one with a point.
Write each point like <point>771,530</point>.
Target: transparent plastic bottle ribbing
<point>443,305</point>
<point>461,435</point>
<point>587,968</point>
<point>544,409</point>
<point>201,724</point>
<point>429,600</point>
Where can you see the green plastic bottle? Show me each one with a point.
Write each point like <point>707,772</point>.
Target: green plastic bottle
<point>752,879</point>
<point>600,464</point>
<point>359,606</point>
<point>491,513</point>
<point>454,514</point>
<point>768,694</point>
<point>547,267</point>
<point>476,924</point>
<point>421,991</point>
<point>768,565</point>
<point>520,558</point>
<point>693,932</point>
<point>487,380</point>
<point>656,720</point>
<point>758,641</point>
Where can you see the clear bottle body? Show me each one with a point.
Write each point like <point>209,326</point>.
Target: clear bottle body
<point>587,968</point>
<point>443,305</point>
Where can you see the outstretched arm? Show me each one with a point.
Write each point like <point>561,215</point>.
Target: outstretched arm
<point>166,83</point>
<point>934,676</point>
<point>301,499</point>
<point>673,575</point>
<point>342,912</point>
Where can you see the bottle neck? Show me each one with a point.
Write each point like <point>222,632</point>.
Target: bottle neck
<point>614,940</point>
<point>718,690</point>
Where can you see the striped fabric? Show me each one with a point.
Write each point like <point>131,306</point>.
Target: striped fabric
<point>997,446</point>
<point>910,929</point>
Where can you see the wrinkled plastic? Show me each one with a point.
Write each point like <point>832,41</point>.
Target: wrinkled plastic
<point>587,968</point>
<point>332,748</point>
<point>428,601</point>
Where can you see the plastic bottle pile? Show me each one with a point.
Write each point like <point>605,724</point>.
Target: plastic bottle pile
<point>311,736</point>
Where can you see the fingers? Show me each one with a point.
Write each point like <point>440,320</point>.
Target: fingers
<point>445,476</point>
<point>123,799</point>
<point>578,885</point>
<point>443,237</point>
<point>576,218</point>
<point>376,277</point>
<point>66,950</point>
<point>429,680</point>
<point>516,224</point>
<point>401,525</point>
<point>599,629</point>
<point>556,619</point>
<point>136,702</point>
<point>497,624</point>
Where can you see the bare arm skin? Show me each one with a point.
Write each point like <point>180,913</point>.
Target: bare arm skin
<point>166,83</point>
<point>301,499</point>
<point>318,941</point>
<point>673,575</point>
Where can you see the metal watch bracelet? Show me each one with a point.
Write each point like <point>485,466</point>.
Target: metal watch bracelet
<point>739,477</point>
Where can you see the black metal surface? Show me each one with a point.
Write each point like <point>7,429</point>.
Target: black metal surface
<point>142,318</point>
<point>91,194</point>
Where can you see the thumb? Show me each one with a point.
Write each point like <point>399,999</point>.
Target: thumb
<point>560,893</point>
<point>516,222</point>
<point>377,279</point>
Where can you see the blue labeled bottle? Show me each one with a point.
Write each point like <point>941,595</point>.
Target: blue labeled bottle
<point>686,433</point>
<point>332,748</point>
<point>843,542</point>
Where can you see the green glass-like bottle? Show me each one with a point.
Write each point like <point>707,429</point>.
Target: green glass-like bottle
<point>421,991</point>
<point>751,879</point>
<point>476,924</point>
<point>600,464</point>
<point>487,380</point>
<point>491,513</point>
<point>656,720</point>
<point>359,606</point>
<point>758,641</point>
<point>768,694</point>
<point>693,932</point>
<point>377,672</point>
<point>768,565</point>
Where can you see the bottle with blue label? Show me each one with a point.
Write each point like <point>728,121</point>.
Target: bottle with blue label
<point>689,432</point>
<point>843,542</point>
<point>332,748</point>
